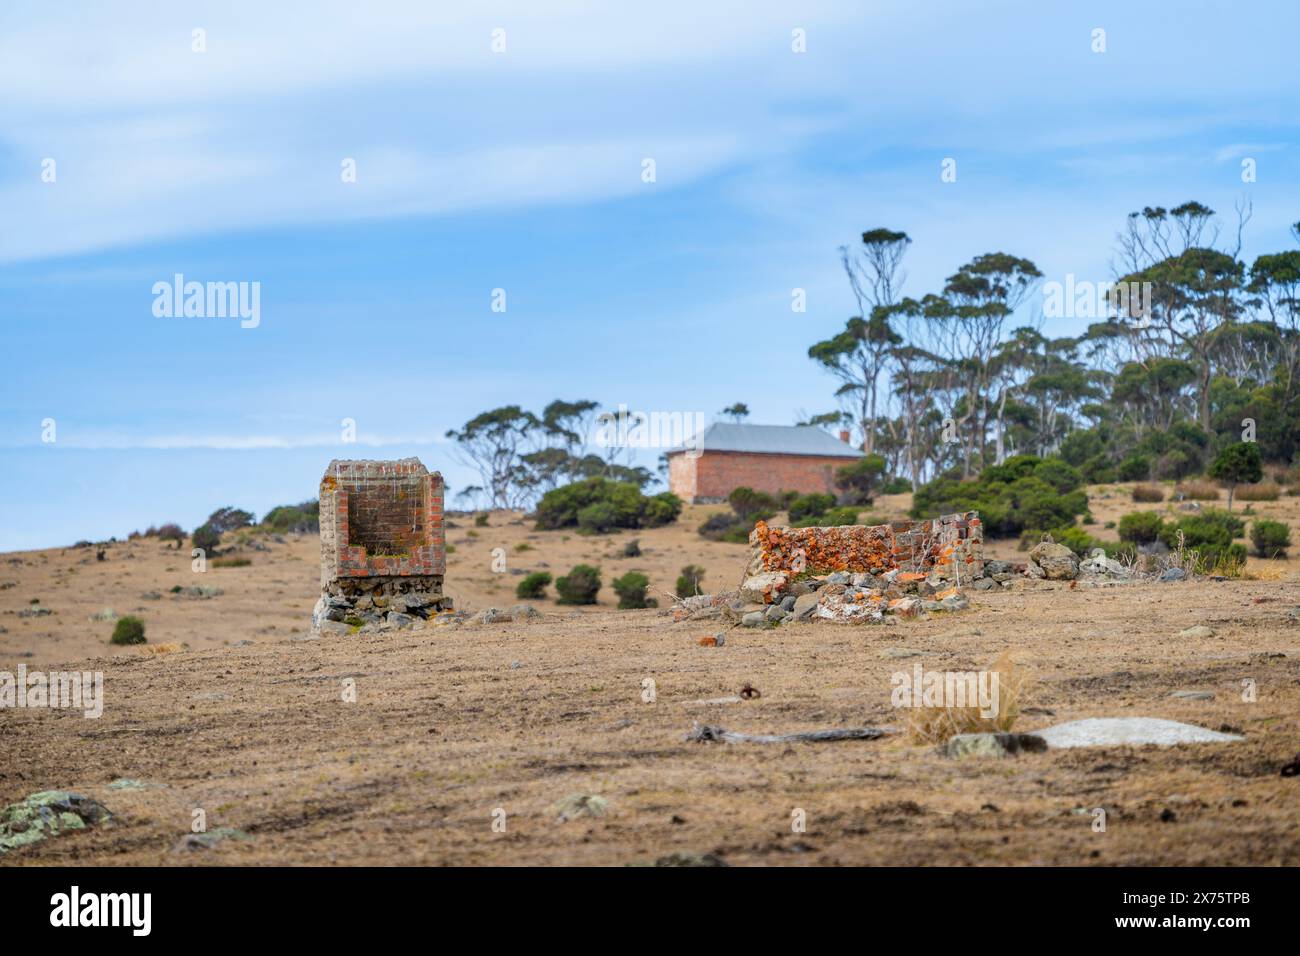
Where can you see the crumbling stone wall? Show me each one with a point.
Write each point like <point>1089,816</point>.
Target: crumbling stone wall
<point>949,548</point>
<point>383,544</point>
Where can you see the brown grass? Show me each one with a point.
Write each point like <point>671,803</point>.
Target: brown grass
<point>1198,490</point>
<point>1148,493</point>
<point>1262,491</point>
<point>935,725</point>
<point>171,647</point>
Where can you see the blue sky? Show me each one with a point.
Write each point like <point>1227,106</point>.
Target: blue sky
<point>522,170</point>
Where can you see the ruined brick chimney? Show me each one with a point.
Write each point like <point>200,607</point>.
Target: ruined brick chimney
<point>383,545</point>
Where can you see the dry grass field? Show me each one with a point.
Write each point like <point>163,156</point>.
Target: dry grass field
<point>247,721</point>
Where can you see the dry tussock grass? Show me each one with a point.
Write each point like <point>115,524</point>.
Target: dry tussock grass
<point>935,725</point>
<point>1198,490</point>
<point>1261,491</point>
<point>1148,493</point>
<point>171,647</point>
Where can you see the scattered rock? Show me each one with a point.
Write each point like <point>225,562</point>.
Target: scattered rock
<point>763,588</point>
<point>580,805</point>
<point>1199,632</point>
<point>1192,695</point>
<point>129,783</point>
<point>1134,731</point>
<point>1173,574</point>
<point>1058,562</point>
<point>209,839</point>
<point>754,619</point>
<point>46,814</point>
<point>690,859</point>
<point>992,745</point>
<point>804,606</point>
<point>900,653</point>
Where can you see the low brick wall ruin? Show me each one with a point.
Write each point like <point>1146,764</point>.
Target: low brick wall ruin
<point>383,544</point>
<point>950,548</point>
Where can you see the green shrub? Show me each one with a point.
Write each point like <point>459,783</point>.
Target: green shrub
<point>630,589</point>
<point>660,509</point>
<point>1010,497</point>
<point>533,586</point>
<point>833,518</point>
<point>860,481</point>
<point>1239,462</point>
<point>303,518</point>
<point>688,581</point>
<point>750,505</point>
<point>896,486</point>
<point>579,586</point>
<point>481,520</point>
<point>1135,468</point>
<point>1270,538</point>
<point>1210,534</point>
<point>171,532</point>
<point>128,630</point>
<point>621,506</point>
<point>726,526</point>
<point>598,517</point>
<point>1058,474</point>
<point>206,537</point>
<point>1141,527</point>
<point>812,505</point>
<point>632,549</point>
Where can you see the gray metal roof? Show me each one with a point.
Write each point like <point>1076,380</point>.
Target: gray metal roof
<point>773,440</point>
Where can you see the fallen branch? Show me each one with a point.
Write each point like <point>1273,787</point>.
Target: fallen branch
<point>704,733</point>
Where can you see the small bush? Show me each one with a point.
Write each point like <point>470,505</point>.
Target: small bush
<point>1263,491</point>
<point>621,505</point>
<point>533,586</point>
<point>1141,527</point>
<point>810,506</point>
<point>632,549</point>
<point>860,481</point>
<point>579,586</point>
<point>726,526</point>
<point>128,630</point>
<point>206,537</point>
<point>1198,490</point>
<point>630,589</point>
<point>1270,538</point>
<point>1136,468</point>
<point>688,582</point>
<point>171,532</point>
<point>1210,534</point>
<point>832,518</point>
<point>750,505</point>
<point>1148,493</point>
<point>301,518</point>
<point>481,520</point>
<point>896,486</point>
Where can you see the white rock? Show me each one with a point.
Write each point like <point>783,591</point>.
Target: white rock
<point>1134,731</point>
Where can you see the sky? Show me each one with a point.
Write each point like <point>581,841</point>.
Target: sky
<point>503,146</point>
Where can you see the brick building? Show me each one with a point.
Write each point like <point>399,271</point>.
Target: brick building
<point>769,458</point>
